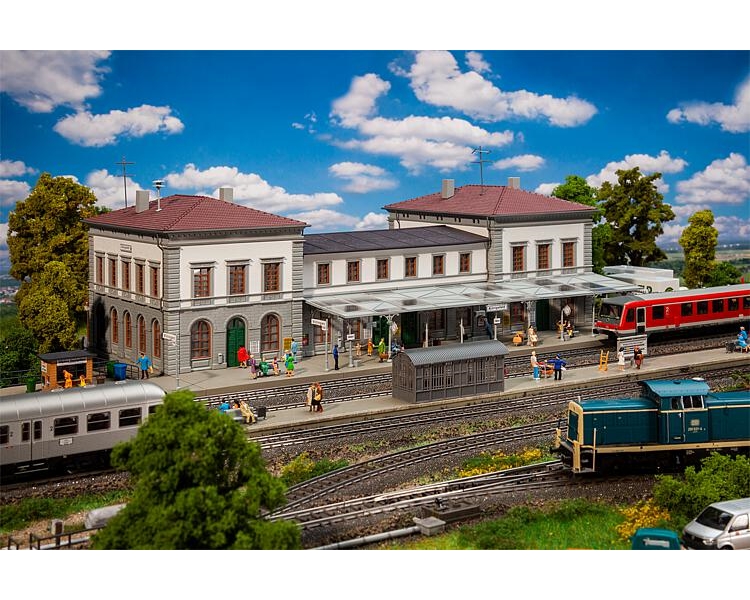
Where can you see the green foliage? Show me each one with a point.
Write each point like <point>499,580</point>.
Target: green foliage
<point>720,477</point>
<point>199,484</point>
<point>698,241</point>
<point>302,468</point>
<point>569,524</point>
<point>48,227</point>
<point>46,312</point>
<point>635,212</point>
<point>18,349</point>
<point>723,273</point>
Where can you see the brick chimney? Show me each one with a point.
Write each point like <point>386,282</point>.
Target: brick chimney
<point>449,188</point>
<point>141,201</point>
<point>226,194</point>
<point>514,182</point>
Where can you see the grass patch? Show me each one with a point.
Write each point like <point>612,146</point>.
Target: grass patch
<point>19,516</point>
<point>303,468</point>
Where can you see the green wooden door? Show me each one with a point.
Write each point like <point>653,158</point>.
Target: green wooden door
<point>409,334</point>
<point>235,339</point>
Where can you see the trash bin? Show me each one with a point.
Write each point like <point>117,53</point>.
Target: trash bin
<point>120,371</point>
<point>261,412</point>
<point>30,385</point>
<point>111,369</point>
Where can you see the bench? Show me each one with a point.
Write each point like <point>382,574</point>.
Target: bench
<point>735,347</point>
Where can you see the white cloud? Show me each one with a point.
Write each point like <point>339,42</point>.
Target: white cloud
<point>43,80</point>
<point>250,189</point>
<point>14,168</point>
<point>523,162</point>
<point>13,191</point>
<point>86,129</point>
<point>444,143</point>
<point>475,61</point>
<point>362,178</point>
<point>733,227</point>
<point>663,163</point>
<point>436,79</point>
<point>330,220</point>
<point>110,190</point>
<point>682,212</point>
<point>546,188</point>
<point>724,181</point>
<point>373,221</point>
<point>4,251</point>
<point>734,118</point>
<point>311,119</point>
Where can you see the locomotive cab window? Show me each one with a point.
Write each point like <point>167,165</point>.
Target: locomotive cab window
<point>65,426</point>
<point>130,417</point>
<point>692,401</point>
<point>687,309</point>
<point>657,312</point>
<point>717,306</point>
<point>630,316</point>
<point>98,421</point>
<point>4,434</point>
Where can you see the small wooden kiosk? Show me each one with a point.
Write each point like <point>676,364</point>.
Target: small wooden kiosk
<point>75,362</point>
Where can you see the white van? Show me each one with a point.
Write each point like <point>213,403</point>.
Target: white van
<point>721,526</point>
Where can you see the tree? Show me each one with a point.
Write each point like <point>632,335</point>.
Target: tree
<point>45,311</point>
<point>18,349</point>
<point>723,273</point>
<point>575,189</point>
<point>698,241</point>
<point>635,211</point>
<point>199,484</point>
<point>47,227</point>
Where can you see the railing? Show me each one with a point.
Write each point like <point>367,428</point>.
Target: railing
<point>56,541</point>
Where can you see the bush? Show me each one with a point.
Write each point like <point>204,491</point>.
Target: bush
<point>720,477</point>
<point>303,468</point>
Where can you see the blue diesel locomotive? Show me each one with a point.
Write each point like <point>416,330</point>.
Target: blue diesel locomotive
<point>670,423</point>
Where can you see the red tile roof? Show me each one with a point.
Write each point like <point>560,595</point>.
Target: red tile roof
<point>192,213</point>
<point>493,200</point>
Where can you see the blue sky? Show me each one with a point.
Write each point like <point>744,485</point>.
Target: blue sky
<point>331,135</point>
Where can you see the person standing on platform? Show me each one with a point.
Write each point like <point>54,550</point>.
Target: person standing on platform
<point>68,378</point>
<point>369,347</point>
<point>294,348</point>
<point>310,396</point>
<point>144,362</point>
<point>621,359</point>
<point>242,357</point>
<point>335,357</point>
<point>253,366</point>
<point>275,365</point>
<point>318,397</point>
<point>637,357</point>
<point>289,365</point>
<point>535,365</point>
<point>381,349</point>
<point>558,364</point>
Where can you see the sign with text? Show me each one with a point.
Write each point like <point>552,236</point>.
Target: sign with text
<point>497,307</point>
<point>319,323</point>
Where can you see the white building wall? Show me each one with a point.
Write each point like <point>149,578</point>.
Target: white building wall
<point>554,234</point>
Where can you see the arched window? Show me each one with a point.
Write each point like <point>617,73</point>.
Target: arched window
<point>115,326</point>
<point>156,335</point>
<point>128,325</point>
<point>269,334</point>
<point>141,334</point>
<point>200,340</point>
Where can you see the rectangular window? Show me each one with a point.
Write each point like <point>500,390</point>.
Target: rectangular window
<point>140,278</point>
<point>65,426</point>
<point>324,273</point>
<point>542,257</point>
<point>4,434</point>
<point>25,431</point>
<point>383,268</point>
<point>410,266</point>
<point>272,277</point>
<point>202,282</point>
<point>518,259</point>
<point>37,430</point>
<point>464,262</point>
<point>746,303</point>
<point>130,417</point>
<point>126,275</point>
<point>717,306</point>
<point>687,309</point>
<point>237,279</point>
<point>154,281</point>
<point>98,421</point>
<point>657,312</point>
<point>569,254</point>
<point>112,272</point>
<point>99,269</point>
<point>352,271</point>
<point>733,304</point>
<point>703,307</point>
<point>438,264</point>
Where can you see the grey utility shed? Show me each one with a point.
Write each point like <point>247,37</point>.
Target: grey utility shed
<point>449,371</point>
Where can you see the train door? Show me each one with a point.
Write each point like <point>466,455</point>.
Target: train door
<point>640,319</point>
<point>31,447</point>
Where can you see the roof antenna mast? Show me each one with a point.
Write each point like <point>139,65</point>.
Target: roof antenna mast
<point>481,162</point>
<point>158,184</point>
<point>124,177</point>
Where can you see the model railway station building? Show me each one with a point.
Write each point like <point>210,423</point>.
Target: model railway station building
<point>188,279</point>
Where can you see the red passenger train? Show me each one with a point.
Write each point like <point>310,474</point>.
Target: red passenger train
<point>636,314</point>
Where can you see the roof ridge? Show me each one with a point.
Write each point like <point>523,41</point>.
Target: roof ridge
<point>181,216</point>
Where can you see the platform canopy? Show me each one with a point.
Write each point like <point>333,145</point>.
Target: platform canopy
<point>361,304</point>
